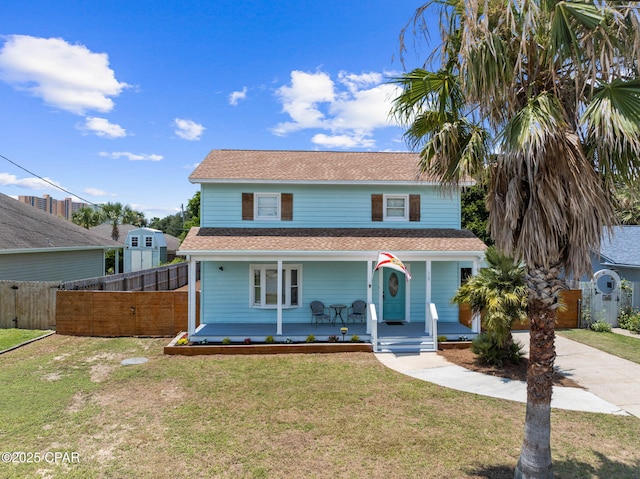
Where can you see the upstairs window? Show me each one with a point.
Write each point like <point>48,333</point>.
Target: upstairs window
<point>267,206</point>
<point>395,207</point>
<point>264,286</point>
<point>135,241</point>
<point>148,241</point>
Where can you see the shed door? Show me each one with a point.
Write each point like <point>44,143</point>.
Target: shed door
<point>393,306</point>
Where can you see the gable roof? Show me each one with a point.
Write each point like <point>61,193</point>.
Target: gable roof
<point>104,231</point>
<point>623,248</point>
<point>23,227</point>
<point>308,166</point>
<point>328,240</point>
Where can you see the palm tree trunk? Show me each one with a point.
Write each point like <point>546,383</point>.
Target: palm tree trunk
<point>535,455</point>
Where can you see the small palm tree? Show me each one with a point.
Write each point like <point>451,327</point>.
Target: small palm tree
<point>498,293</point>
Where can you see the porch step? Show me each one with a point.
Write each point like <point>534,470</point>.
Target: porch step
<point>406,344</point>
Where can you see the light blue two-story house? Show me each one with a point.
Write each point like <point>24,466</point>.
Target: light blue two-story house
<point>281,230</point>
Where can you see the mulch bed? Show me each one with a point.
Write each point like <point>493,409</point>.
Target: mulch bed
<point>467,359</point>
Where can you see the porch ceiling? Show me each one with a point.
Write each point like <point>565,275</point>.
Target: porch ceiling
<point>288,240</point>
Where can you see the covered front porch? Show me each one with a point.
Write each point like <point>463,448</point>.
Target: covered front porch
<point>388,336</point>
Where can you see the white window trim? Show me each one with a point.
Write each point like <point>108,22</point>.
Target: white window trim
<point>256,200</point>
<point>386,198</point>
<point>286,271</point>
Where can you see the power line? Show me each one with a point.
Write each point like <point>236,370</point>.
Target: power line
<point>49,182</point>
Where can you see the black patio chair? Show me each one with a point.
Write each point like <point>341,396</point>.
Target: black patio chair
<point>358,311</point>
<point>319,312</point>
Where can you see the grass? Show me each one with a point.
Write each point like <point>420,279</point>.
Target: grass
<point>274,416</point>
<point>626,347</point>
<point>13,337</point>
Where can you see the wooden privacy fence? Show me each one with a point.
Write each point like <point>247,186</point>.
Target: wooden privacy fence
<point>28,304</point>
<point>162,278</point>
<point>111,314</point>
<point>568,317</point>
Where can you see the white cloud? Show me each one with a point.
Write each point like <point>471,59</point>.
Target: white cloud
<point>342,141</point>
<point>28,183</point>
<point>131,156</point>
<point>102,127</point>
<point>188,129</point>
<point>236,96</point>
<point>97,192</point>
<point>347,111</point>
<point>68,77</point>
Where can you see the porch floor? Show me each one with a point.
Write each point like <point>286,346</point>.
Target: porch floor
<point>300,331</point>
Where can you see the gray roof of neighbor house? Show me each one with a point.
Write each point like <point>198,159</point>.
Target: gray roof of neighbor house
<point>23,227</point>
<point>623,248</point>
<point>223,166</point>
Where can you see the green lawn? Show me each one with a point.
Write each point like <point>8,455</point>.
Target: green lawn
<point>12,337</point>
<point>617,344</point>
<point>279,416</point>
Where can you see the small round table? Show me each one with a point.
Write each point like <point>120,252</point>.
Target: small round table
<point>338,312</point>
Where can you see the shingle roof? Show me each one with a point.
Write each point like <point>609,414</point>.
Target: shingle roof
<point>305,166</point>
<point>624,246</point>
<point>24,227</point>
<point>327,240</point>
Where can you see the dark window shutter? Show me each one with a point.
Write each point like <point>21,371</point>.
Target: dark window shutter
<point>247,206</point>
<point>286,205</point>
<point>376,207</point>
<point>414,207</point>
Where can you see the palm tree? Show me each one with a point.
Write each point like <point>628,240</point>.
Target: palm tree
<point>551,89</point>
<point>498,293</point>
<point>114,212</point>
<point>86,217</point>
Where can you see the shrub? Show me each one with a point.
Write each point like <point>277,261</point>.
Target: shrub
<point>333,339</point>
<point>487,349</point>
<point>629,319</point>
<point>247,340</point>
<point>601,327</point>
<point>355,338</point>
<point>269,340</point>
<point>310,339</point>
<point>226,341</point>
<point>442,339</point>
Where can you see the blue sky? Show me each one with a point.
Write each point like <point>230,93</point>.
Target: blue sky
<point>119,100</point>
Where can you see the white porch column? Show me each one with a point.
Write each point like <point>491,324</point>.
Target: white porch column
<point>279,295</point>
<point>369,292</point>
<point>191,297</point>
<point>427,296</point>
<point>475,319</point>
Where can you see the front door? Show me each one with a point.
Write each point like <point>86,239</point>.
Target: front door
<point>393,299</point>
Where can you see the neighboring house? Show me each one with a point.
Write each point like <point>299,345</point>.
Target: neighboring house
<point>37,246</point>
<point>144,248</point>
<point>105,229</point>
<point>280,229</point>
<point>618,259</point>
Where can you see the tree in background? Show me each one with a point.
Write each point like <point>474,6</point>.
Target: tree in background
<point>474,213</point>
<point>178,225</point>
<point>546,95</point>
<point>86,217</point>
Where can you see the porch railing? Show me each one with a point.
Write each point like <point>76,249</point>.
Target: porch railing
<point>431,321</point>
<point>374,326</point>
